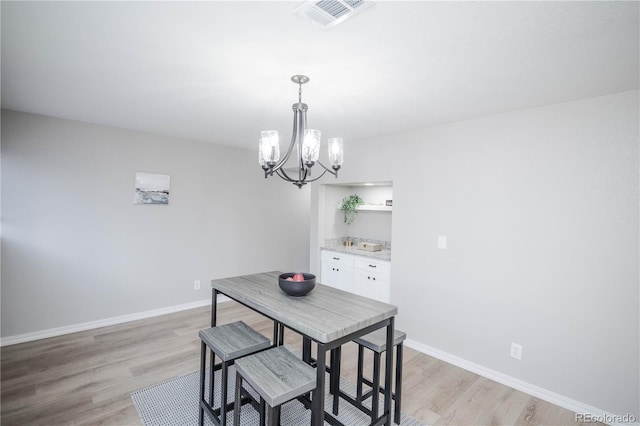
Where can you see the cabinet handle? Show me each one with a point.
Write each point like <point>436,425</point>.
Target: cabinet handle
<point>373,266</point>
<point>336,258</point>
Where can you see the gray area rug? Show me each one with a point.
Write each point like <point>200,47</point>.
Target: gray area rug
<point>175,402</point>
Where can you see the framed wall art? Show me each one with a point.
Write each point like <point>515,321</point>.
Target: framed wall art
<point>152,188</point>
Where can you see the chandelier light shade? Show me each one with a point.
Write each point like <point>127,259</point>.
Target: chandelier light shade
<point>305,142</point>
<point>269,146</point>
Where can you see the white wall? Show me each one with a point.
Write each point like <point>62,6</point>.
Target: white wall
<point>333,218</point>
<point>540,208</point>
<point>76,249</point>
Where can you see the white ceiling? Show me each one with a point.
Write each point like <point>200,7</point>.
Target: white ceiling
<point>219,71</point>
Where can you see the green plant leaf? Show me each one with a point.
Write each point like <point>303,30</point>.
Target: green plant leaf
<point>349,206</point>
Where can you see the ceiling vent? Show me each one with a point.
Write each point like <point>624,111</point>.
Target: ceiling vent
<point>328,13</point>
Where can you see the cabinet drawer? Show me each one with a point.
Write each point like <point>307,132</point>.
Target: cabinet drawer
<point>344,260</point>
<point>373,265</point>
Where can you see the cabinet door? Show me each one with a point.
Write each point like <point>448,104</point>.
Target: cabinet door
<point>337,270</point>
<point>337,275</point>
<point>372,285</point>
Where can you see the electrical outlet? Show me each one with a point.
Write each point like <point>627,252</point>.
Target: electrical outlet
<point>516,351</point>
<point>196,285</point>
<point>442,242</point>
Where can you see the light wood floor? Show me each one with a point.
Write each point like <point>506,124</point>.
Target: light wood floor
<point>87,377</point>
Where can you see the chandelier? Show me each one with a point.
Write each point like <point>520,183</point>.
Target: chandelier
<point>306,143</point>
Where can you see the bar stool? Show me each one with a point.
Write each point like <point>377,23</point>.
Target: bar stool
<point>277,376</point>
<point>377,342</point>
<point>228,342</point>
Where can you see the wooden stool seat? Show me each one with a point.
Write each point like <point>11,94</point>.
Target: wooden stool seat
<point>277,376</point>
<point>229,342</point>
<point>377,340</point>
<point>234,340</point>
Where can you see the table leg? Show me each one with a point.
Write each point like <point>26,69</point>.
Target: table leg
<point>317,399</point>
<point>214,313</point>
<point>387,371</point>
<point>397,412</point>
<point>212,373</point>
<point>335,377</point>
<point>306,349</point>
<point>375,389</point>
<point>203,364</point>
<point>281,334</point>
<point>223,396</point>
<point>214,306</point>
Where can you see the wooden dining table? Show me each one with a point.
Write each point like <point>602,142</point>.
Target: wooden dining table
<point>327,316</point>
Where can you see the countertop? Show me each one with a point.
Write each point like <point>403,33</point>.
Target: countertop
<point>384,254</point>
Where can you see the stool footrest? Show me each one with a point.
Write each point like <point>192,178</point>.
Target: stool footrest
<point>246,398</point>
<point>370,392</point>
<point>360,406</point>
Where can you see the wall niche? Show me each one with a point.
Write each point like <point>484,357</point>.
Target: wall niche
<point>373,221</point>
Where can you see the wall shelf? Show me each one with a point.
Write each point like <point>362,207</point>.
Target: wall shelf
<point>372,208</point>
<point>377,208</point>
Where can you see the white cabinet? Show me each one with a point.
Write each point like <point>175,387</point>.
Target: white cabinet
<point>362,275</point>
<point>372,278</point>
<point>337,270</point>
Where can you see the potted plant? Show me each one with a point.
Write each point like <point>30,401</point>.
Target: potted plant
<point>349,207</point>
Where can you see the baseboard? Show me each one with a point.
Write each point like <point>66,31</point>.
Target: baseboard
<point>544,394</point>
<point>52,332</point>
<point>541,393</point>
